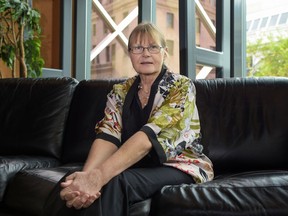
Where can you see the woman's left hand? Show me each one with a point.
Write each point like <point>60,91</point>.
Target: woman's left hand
<point>81,189</point>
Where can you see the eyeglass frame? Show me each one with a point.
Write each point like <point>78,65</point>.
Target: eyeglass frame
<point>131,49</point>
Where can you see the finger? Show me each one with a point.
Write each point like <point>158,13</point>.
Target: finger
<point>78,204</point>
<point>67,194</point>
<point>71,177</point>
<point>91,200</point>
<point>98,194</point>
<point>66,183</point>
<point>71,195</point>
<point>80,200</point>
<point>63,193</point>
<point>88,203</point>
<point>69,203</point>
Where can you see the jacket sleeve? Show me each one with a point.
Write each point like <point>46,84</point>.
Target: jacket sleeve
<point>109,128</point>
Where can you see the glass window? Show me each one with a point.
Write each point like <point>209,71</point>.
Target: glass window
<point>255,24</point>
<point>115,21</point>
<point>283,18</point>
<point>113,52</point>
<point>198,25</point>
<point>94,29</point>
<point>170,20</point>
<point>205,23</point>
<point>168,10</point>
<point>125,14</point>
<point>105,29</point>
<point>248,24</point>
<point>204,29</point>
<point>108,54</point>
<point>267,50</point>
<point>113,60</point>
<point>263,22</point>
<point>213,3</point>
<point>205,72</point>
<point>170,46</point>
<point>273,20</point>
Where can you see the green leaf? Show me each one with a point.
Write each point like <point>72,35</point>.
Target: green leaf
<point>33,57</point>
<point>8,55</point>
<point>21,13</point>
<point>272,54</point>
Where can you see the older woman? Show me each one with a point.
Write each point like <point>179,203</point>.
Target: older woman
<point>149,137</point>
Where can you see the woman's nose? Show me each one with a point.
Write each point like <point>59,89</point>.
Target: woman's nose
<point>146,52</point>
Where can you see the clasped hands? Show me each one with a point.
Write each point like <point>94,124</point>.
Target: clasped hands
<point>81,189</point>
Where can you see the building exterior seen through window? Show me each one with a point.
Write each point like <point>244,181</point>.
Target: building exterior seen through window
<point>267,38</point>
<point>110,49</point>
<point>113,20</point>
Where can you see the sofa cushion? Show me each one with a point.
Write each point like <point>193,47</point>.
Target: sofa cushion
<point>250,193</point>
<point>244,123</point>
<point>87,108</point>
<point>33,114</point>
<point>29,189</point>
<point>10,165</point>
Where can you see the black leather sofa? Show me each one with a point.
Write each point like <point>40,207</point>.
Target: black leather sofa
<point>47,126</point>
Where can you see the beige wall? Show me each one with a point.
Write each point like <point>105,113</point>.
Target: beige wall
<point>51,31</point>
<point>5,72</point>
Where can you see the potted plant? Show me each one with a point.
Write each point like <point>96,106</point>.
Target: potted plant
<point>20,38</point>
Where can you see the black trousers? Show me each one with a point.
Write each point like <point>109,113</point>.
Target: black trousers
<point>131,186</point>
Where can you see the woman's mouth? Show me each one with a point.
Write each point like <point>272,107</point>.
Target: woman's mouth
<point>146,63</point>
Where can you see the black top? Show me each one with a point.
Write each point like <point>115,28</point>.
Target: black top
<point>134,117</point>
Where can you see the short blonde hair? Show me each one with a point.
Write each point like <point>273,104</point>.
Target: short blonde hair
<point>144,29</point>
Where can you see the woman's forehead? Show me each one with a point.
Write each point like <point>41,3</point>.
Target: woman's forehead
<point>144,38</point>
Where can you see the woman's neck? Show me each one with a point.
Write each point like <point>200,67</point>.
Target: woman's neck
<point>146,81</point>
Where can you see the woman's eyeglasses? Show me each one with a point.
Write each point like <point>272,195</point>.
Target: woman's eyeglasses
<point>153,49</point>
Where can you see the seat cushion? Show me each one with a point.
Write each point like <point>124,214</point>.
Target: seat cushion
<point>29,189</point>
<point>10,165</point>
<point>140,208</point>
<point>250,193</point>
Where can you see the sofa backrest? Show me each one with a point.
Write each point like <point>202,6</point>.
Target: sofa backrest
<point>244,122</point>
<point>87,108</point>
<point>33,114</point>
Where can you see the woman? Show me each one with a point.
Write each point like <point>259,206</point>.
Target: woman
<point>148,138</point>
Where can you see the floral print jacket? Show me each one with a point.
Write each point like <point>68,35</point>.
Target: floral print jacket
<point>173,126</point>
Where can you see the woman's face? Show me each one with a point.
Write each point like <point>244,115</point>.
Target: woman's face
<point>147,63</point>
